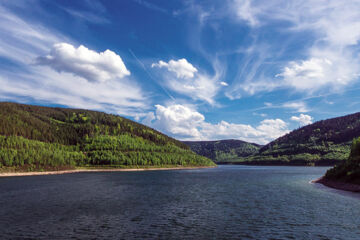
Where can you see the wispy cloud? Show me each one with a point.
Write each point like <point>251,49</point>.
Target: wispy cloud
<point>22,41</point>
<point>45,85</point>
<point>87,16</point>
<point>245,11</point>
<point>297,106</point>
<point>143,66</point>
<point>151,6</point>
<point>252,76</point>
<point>182,77</point>
<point>330,61</point>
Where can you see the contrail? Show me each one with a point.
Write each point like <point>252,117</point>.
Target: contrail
<point>148,73</point>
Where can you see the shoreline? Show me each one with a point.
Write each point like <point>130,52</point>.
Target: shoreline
<point>273,165</point>
<point>282,163</point>
<point>350,187</point>
<point>21,174</point>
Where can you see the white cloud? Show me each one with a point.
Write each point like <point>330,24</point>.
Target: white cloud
<point>23,41</point>
<point>316,73</point>
<point>259,114</point>
<point>178,120</point>
<point>85,63</point>
<point>298,106</point>
<point>203,87</point>
<point>186,123</point>
<point>246,12</point>
<point>182,68</point>
<point>335,21</point>
<point>87,16</point>
<point>251,76</point>
<point>225,84</point>
<point>151,6</point>
<point>303,119</point>
<point>330,63</point>
<point>191,83</point>
<point>307,75</point>
<point>45,85</point>
<point>266,131</point>
<point>149,117</point>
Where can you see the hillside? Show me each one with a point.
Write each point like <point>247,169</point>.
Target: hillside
<point>349,170</point>
<point>45,138</point>
<point>224,150</point>
<point>325,142</point>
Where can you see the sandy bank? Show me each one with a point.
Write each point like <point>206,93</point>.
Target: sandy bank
<point>14,174</point>
<point>338,185</point>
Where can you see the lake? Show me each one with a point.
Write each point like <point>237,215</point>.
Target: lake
<point>241,202</point>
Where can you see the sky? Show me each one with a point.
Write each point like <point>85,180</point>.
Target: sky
<point>196,70</point>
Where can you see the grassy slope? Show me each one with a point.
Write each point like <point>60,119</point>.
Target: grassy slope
<point>224,150</point>
<point>33,138</point>
<point>322,143</point>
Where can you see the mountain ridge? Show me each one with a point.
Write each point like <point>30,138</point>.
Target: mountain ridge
<point>325,142</point>
<point>224,151</point>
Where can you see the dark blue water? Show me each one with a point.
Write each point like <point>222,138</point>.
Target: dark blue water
<point>229,202</point>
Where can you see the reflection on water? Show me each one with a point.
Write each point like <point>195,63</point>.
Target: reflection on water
<point>240,202</point>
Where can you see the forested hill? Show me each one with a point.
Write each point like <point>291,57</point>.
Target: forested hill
<point>34,137</point>
<point>224,150</point>
<point>322,143</point>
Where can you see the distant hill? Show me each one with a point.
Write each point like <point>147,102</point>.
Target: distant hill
<point>34,137</point>
<point>324,142</point>
<point>224,150</point>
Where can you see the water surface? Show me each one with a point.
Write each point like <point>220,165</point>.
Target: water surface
<point>241,202</point>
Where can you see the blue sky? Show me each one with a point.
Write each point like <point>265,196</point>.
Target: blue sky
<point>196,70</point>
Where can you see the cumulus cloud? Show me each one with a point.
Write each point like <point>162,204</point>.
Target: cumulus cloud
<point>23,41</point>
<point>302,119</point>
<point>189,82</point>
<point>178,120</point>
<point>266,131</point>
<point>85,63</point>
<point>188,124</point>
<point>182,68</point>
